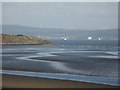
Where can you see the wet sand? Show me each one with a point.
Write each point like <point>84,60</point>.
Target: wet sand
<point>13,81</point>
<point>67,63</point>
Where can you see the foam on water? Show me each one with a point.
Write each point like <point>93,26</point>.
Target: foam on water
<point>105,56</point>
<point>112,53</point>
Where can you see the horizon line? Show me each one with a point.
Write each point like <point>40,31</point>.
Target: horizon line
<point>57,28</point>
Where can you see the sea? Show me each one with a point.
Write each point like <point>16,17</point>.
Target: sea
<point>94,61</point>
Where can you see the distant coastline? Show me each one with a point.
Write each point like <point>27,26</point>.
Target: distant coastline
<point>22,40</point>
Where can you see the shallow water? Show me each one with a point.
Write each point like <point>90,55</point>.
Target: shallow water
<point>75,59</point>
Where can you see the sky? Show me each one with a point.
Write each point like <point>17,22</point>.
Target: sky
<point>67,15</point>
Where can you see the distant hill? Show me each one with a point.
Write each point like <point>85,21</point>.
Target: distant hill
<point>22,39</point>
<point>57,32</point>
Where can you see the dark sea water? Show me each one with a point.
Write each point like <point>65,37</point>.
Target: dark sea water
<point>78,60</point>
<point>98,44</point>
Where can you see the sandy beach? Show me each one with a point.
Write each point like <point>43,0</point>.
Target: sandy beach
<point>14,81</point>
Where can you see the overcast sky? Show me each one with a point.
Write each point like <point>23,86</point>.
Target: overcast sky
<point>88,15</point>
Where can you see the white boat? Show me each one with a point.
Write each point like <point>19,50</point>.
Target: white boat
<point>99,38</point>
<point>65,38</point>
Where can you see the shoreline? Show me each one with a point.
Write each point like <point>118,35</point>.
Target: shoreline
<point>26,45</point>
<point>16,81</point>
<point>63,77</point>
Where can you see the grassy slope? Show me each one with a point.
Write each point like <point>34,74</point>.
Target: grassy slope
<point>14,39</point>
